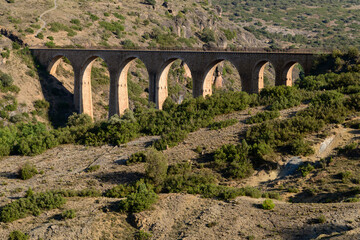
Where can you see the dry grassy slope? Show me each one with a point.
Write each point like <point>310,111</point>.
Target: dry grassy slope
<point>184,216</point>
<point>135,12</point>
<point>30,88</point>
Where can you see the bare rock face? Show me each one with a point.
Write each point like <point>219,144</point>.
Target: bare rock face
<point>209,46</point>
<point>222,42</point>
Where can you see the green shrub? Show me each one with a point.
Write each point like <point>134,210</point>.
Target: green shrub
<point>280,97</point>
<point>136,158</point>
<point>119,191</point>
<point>18,235</point>
<point>263,116</point>
<point>50,44</point>
<point>27,171</point>
<point>305,169</point>
<point>233,160</point>
<point>207,35</point>
<point>222,124</point>
<point>170,139</point>
<point>140,200</point>
<point>68,214</point>
<point>93,168</point>
<point>5,80</point>
<point>268,204</point>
<point>156,167</point>
<point>79,120</point>
<point>301,147</point>
<point>40,36</point>
<point>33,204</point>
<point>142,235</point>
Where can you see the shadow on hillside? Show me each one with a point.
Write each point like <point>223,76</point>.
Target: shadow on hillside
<point>308,196</point>
<point>9,175</point>
<point>119,177</point>
<point>60,99</point>
<point>313,231</point>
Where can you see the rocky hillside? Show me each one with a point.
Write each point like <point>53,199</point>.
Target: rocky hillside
<point>168,24</point>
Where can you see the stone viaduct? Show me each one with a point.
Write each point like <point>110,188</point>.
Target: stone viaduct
<point>202,64</point>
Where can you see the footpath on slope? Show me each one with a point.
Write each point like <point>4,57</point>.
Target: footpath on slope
<point>43,21</point>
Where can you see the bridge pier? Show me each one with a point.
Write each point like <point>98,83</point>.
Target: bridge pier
<point>118,95</point>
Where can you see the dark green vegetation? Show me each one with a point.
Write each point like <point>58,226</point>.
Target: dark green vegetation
<point>222,124</point>
<point>27,171</point>
<point>17,235</point>
<point>326,24</point>
<point>32,204</point>
<point>68,214</point>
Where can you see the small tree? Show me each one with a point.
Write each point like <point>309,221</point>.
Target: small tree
<point>27,171</point>
<point>5,80</point>
<point>79,120</point>
<point>156,167</point>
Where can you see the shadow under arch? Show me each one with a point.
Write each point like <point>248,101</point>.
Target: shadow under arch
<point>211,76</point>
<point>162,84</point>
<point>287,74</point>
<point>258,74</point>
<point>60,98</point>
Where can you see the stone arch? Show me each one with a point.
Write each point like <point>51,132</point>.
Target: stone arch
<point>258,75</point>
<point>54,63</point>
<point>86,102</point>
<point>119,85</point>
<point>287,76</point>
<point>209,75</point>
<point>162,90</point>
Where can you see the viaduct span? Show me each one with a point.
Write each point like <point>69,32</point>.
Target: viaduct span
<point>202,65</point>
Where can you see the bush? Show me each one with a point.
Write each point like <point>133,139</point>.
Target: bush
<point>93,168</point>
<point>5,80</point>
<point>207,35</point>
<point>222,124</point>
<point>268,204</point>
<point>142,235</point>
<point>33,204</point>
<point>136,158</point>
<point>68,214</point>
<point>280,97</point>
<point>156,167</point>
<point>233,160</point>
<point>301,147</point>
<point>263,116</point>
<point>27,171</point>
<point>18,235</point>
<point>140,200</point>
<point>305,169</point>
<point>79,120</point>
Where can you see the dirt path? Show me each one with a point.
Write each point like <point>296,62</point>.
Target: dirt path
<point>43,21</point>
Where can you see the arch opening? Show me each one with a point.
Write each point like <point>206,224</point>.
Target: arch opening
<point>222,75</point>
<point>263,75</point>
<point>133,85</point>
<point>95,81</point>
<point>292,72</point>
<point>175,81</point>
<point>58,90</point>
